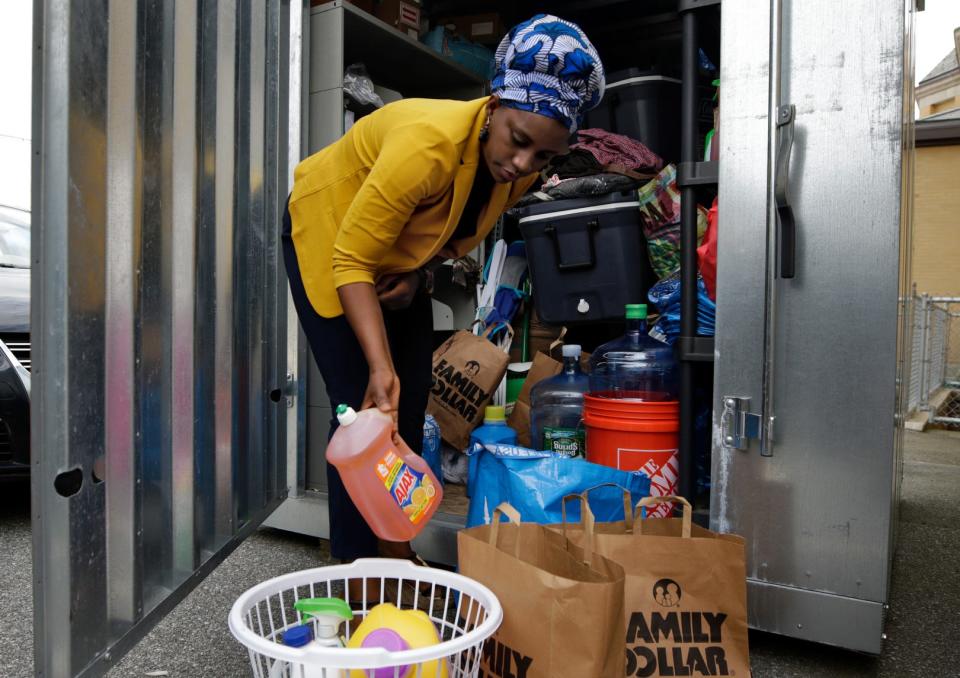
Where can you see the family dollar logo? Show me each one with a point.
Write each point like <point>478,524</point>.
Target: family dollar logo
<point>457,390</point>
<point>675,642</point>
<point>500,661</point>
<point>667,593</point>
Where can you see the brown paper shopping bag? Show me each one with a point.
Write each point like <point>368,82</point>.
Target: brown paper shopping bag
<point>562,605</point>
<point>466,371</point>
<point>685,594</point>
<point>544,366</point>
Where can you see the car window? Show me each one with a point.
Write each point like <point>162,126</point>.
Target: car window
<point>14,238</point>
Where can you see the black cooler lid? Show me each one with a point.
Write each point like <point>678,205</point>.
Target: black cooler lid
<point>551,206</point>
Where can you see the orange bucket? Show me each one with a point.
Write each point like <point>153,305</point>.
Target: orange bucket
<point>636,435</point>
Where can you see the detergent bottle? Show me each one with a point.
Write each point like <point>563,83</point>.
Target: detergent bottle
<point>494,431</point>
<point>327,614</point>
<point>392,487</point>
<point>397,630</point>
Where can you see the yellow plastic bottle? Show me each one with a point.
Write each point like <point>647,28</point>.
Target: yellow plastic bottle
<point>396,630</point>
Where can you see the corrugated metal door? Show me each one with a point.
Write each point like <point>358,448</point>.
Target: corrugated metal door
<point>162,151</point>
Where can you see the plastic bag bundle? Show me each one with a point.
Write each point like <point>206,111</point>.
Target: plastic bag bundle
<point>666,296</point>
<point>359,87</point>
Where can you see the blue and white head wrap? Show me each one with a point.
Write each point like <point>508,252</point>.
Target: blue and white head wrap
<point>547,65</point>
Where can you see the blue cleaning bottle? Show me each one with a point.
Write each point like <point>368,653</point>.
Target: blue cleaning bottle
<point>494,431</point>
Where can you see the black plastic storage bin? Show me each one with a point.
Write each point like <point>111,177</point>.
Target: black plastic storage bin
<point>587,257</point>
<point>643,105</point>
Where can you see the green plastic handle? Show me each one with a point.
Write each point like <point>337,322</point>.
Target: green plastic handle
<point>324,607</point>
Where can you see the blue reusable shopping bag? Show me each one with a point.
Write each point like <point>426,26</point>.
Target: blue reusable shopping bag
<point>535,484</point>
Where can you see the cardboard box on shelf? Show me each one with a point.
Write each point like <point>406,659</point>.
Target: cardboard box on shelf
<point>401,14</point>
<point>482,28</point>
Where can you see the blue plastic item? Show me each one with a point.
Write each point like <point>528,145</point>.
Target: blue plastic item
<point>436,40</point>
<point>470,55</point>
<point>493,432</point>
<point>535,483</point>
<point>431,447</point>
<point>705,64</point>
<point>298,636</point>
<point>509,294</point>
<point>666,295</point>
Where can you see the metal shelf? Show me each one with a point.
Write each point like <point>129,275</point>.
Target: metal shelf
<point>691,5</point>
<point>696,349</point>
<point>383,48</point>
<point>691,175</point>
<point>698,173</point>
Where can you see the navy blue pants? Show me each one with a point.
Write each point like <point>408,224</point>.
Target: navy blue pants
<point>345,373</point>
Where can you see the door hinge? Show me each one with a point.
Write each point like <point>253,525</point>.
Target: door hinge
<point>738,425</point>
<point>291,389</point>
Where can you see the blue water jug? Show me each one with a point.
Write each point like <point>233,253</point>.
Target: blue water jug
<point>493,432</point>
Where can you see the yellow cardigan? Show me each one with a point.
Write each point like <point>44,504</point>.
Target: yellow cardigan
<point>388,195</point>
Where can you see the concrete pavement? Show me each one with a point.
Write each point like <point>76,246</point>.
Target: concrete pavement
<point>193,640</point>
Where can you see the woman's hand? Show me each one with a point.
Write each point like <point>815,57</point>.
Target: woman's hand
<point>396,290</point>
<point>383,392</point>
<point>360,305</point>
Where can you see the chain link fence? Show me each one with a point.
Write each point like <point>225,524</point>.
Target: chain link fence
<point>915,311</point>
<point>948,414</point>
<point>934,368</point>
<point>953,348</point>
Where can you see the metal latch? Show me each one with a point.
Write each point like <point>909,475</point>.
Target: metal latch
<point>738,425</point>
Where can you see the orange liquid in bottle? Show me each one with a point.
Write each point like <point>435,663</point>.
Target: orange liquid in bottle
<point>392,487</point>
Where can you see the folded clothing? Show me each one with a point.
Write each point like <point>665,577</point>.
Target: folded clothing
<point>609,148</point>
<point>576,163</point>
<point>558,188</point>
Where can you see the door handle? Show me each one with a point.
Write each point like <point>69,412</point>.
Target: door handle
<point>787,233</point>
<point>781,227</point>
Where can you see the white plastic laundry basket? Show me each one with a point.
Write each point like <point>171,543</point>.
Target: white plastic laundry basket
<point>465,613</point>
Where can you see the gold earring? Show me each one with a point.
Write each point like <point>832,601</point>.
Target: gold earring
<point>485,130</point>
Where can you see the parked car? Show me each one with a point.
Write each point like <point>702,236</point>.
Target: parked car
<point>14,343</point>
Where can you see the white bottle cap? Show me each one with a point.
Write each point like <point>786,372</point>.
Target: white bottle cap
<point>571,350</point>
<point>327,627</point>
<point>346,415</point>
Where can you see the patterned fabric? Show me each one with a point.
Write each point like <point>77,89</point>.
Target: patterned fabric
<point>660,201</point>
<point>663,245</point>
<point>616,149</point>
<point>660,216</point>
<point>547,65</point>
